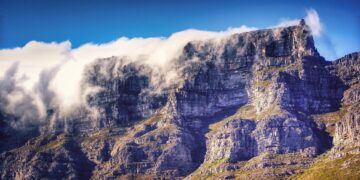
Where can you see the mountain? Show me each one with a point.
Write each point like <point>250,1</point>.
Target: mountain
<point>261,105</point>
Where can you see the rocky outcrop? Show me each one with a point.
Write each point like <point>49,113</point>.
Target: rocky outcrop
<point>233,141</point>
<point>55,157</point>
<point>154,149</point>
<point>347,68</point>
<point>347,127</point>
<point>347,131</point>
<point>239,139</point>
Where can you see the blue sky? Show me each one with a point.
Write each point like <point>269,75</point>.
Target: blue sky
<point>103,21</point>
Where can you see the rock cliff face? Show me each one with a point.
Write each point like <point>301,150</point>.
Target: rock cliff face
<point>348,128</point>
<point>244,139</point>
<point>126,93</point>
<point>244,104</point>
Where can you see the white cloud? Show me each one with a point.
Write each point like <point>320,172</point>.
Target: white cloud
<point>312,19</point>
<point>35,58</point>
<point>287,22</point>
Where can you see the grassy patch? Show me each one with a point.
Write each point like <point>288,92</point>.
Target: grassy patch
<point>246,112</point>
<point>277,166</point>
<point>262,83</point>
<point>218,175</point>
<point>138,126</point>
<point>214,163</point>
<point>283,68</point>
<point>205,172</point>
<point>281,164</point>
<point>52,144</point>
<point>101,134</point>
<point>152,119</point>
<point>346,167</point>
<point>331,117</point>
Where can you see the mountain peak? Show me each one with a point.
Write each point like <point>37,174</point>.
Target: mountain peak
<point>302,22</point>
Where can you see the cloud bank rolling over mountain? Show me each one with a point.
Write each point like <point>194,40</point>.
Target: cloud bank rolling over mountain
<point>42,76</point>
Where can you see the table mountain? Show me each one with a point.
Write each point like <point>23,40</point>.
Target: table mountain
<point>260,104</point>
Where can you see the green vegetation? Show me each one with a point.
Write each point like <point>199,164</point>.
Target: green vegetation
<point>268,112</point>
<point>283,68</point>
<point>246,112</point>
<point>218,175</point>
<point>214,163</point>
<point>51,145</point>
<point>146,130</point>
<point>281,165</point>
<point>262,83</point>
<point>101,134</point>
<point>138,126</point>
<point>331,118</point>
<point>152,119</point>
<point>346,167</point>
<point>203,171</point>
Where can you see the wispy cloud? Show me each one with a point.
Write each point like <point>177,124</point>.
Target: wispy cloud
<point>312,19</point>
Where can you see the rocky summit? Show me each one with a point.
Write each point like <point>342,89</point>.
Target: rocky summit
<point>262,104</point>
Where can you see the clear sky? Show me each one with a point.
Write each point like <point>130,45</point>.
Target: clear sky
<point>98,21</point>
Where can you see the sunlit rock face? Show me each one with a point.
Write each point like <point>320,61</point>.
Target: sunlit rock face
<point>233,100</point>
<point>347,130</point>
<point>243,139</point>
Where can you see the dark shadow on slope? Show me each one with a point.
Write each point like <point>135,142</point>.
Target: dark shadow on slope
<point>325,140</point>
<point>84,166</point>
<point>11,138</point>
<point>199,132</point>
